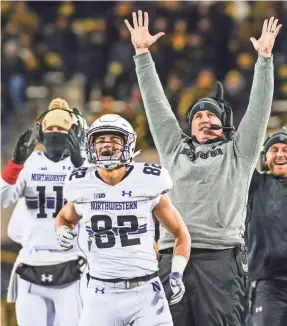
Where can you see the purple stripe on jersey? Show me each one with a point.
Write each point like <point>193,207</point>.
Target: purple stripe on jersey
<point>141,229</point>
<point>32,204</point>
<point>50,202</point>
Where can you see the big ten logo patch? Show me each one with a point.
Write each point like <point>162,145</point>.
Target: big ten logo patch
<point>99,195</point>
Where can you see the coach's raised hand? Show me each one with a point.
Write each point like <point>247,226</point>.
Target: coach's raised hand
<point>140,35</point>
<point>265,43</point>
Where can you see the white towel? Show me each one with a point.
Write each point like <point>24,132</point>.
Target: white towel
<point>13,284</point>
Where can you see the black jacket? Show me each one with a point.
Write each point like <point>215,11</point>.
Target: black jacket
<point>267,227</point>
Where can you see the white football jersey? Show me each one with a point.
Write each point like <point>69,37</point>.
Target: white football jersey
<point>17,220</point>
<point>41,184</point>
<point>116,230</point>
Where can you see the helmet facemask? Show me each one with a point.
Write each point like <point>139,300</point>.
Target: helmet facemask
<point>110,162</point>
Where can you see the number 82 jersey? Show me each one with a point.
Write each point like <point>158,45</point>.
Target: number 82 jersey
<point>117,230</point>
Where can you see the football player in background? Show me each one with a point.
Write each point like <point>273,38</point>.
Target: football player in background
<point>114,203</point>
<point>45,280</point>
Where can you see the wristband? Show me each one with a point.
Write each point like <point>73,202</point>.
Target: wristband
<point>178,264</point>
<point>62,227</point>
<point>11,172</point>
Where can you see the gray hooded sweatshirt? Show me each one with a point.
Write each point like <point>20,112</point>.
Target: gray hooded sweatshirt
<point>211,181</point>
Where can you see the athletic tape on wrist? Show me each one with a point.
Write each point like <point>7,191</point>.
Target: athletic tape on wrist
<point>178,264</point>
<point>62,227</point>
<point>11,172</point>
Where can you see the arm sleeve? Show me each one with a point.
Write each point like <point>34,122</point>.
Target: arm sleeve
<point>11,193</point>
<point>163,124</point>
<point>250,135</point>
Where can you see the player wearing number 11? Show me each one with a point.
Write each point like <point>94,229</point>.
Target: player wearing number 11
<point>113,203</point>
<point>44,278</point>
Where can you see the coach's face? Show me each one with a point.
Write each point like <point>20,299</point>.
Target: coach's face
<point>108,146</point>
<point>200,126</point>
<point>276,159</point>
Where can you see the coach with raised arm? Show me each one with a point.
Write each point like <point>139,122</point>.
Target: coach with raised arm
<point>211,170</point>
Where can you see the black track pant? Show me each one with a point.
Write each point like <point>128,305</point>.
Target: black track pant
<point>269,305</point>
<point>214,289</point>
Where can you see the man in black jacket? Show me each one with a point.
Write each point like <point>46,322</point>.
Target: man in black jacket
<point>267,236</point>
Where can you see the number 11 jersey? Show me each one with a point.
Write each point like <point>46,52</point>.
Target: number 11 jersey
<point>116,230</point>
<point>41,183</point>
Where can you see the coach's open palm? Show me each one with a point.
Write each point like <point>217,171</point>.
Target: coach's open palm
<point>265,43</point>
<point>140,35</point>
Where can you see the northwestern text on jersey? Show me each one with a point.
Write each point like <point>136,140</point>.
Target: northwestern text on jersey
<point>114,205</point>
<point>47,177</point>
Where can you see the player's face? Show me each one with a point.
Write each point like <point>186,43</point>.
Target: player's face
<point>276,159</point>
<point>200,126</point>
<point>108,146</point>
<point>56,129</point>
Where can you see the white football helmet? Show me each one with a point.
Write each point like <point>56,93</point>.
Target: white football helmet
<point>111,124</point>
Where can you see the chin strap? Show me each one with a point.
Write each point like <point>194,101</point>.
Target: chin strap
<point>136,154</point>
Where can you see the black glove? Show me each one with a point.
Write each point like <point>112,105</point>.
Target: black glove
<point>24,147</point>
<point>75,149</point>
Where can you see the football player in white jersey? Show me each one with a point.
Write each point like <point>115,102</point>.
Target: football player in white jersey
<point>45,280</point>
<point>113,204</point>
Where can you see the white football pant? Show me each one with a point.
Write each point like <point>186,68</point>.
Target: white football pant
<point>112,304</point>
<point>38,305</point>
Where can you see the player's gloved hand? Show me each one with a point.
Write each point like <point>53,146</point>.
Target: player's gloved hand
<point>65,237</point>
<point>74,147</point>
<point>24,147</point>
<point>177,287</point>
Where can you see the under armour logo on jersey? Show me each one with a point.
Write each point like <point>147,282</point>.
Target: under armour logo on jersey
<point>99,290</point>
<point>155,286</point>
<point>259,309</point>
<point>129,193</point>
<point>45,278</point>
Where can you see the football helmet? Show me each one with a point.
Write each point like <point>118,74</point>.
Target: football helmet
<point>115,125</point>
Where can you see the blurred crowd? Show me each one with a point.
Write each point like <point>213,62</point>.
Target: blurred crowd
<point>205,41</point>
